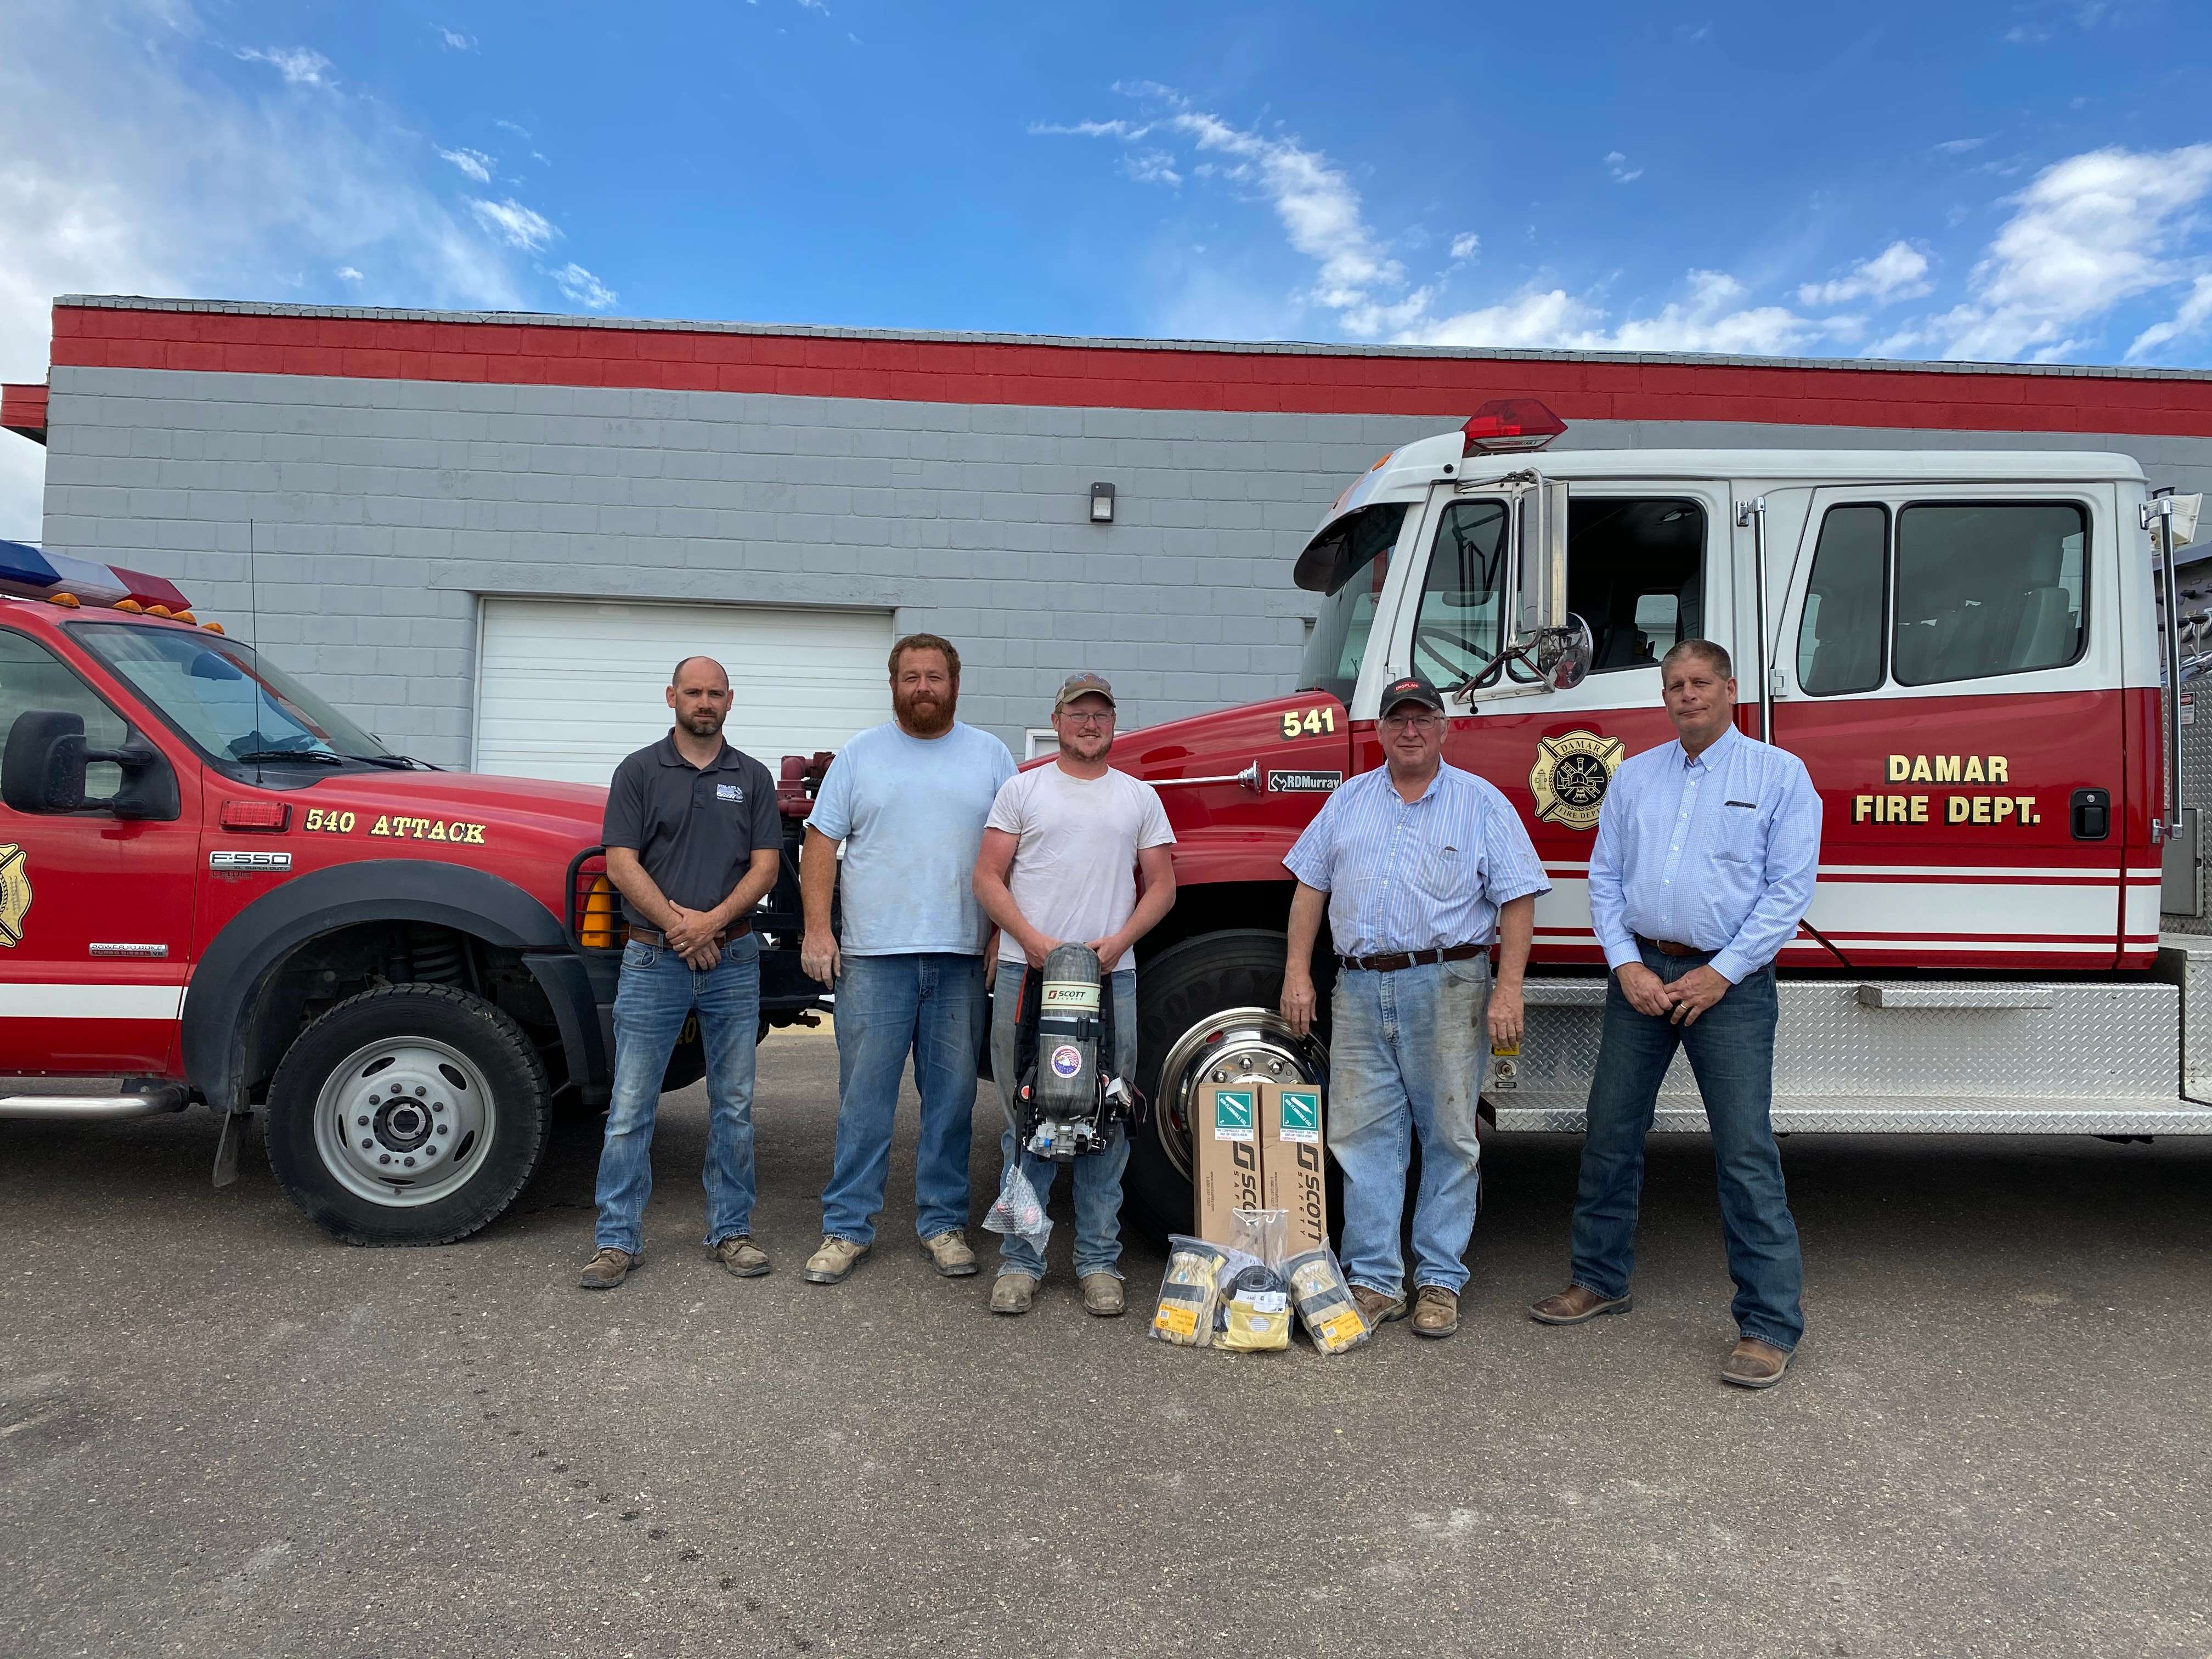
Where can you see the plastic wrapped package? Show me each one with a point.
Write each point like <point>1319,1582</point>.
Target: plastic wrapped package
<point>1264,1234</point>
<point>1019,1211</point>
<point>1259,1310</point>
<point>1190,1292</point>
<point>1324,1301</point>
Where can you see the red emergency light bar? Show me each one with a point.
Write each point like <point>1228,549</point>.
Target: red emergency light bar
<point>1506,424</point>
<point>60,579</point>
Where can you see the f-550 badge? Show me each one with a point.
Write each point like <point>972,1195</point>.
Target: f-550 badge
<point>15,894</point>
<point>1570,777</point>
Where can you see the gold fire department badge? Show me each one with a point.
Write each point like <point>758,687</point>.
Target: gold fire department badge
<point>15,894</point>
<point>1570,777</point>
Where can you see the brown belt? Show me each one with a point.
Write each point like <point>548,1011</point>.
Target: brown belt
<point>654,936</point>
<point>1668,947</point>
<point>1393,962</point>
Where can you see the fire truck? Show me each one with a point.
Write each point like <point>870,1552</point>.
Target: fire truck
<point>1967,649</point>
<point>216,888</point>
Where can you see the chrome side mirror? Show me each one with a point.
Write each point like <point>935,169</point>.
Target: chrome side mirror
<point>1562,655</point>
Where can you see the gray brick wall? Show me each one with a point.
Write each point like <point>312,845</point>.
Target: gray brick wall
<point>377,511</point>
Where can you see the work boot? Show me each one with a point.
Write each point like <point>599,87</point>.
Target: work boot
<point>1577,1304</point>
<point>1436,1311</point>
<point>607,1269</point>
<point>834,1262</point>
<point>949,1250</point>
<point>1377,1307</point>
<point>743,1258</point>
<point>1754,1365</point>
<point>1102,1296</point>
<point>1012,1293</point>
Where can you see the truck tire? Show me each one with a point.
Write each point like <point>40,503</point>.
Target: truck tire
<point>408,1115</point>
<point>1210,999</point>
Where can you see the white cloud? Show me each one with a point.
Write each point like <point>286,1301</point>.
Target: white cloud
<point>519,131</point>
<point>298,64</point>
<point>1900,271</point>
<point>455,41</point>
<point>127,167</point>
<point>1465,246</point>
<point>1088,129</point>
<point>1712,317</point>
<point>1617,165</point>
<point>1961,146</point>
<point>514,224</point>
<point>586,289</point>
<point>2088,233</point>
<point>2195,312</point>
<point>474,163</point>
<point>1152,166</point>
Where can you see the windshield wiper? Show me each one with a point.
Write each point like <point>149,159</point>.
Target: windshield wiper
<point>271,756</point>
<point>396,762</point>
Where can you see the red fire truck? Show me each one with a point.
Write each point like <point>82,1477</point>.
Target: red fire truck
<point>1965,649</point>
<point>215,887</point>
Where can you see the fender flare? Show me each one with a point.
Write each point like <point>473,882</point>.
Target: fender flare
<point>226,982</point>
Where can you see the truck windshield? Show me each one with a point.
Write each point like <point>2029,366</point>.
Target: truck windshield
<point>1361,562</point>
<point>222,697</point>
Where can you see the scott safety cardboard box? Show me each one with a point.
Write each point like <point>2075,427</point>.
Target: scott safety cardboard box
<point>1292,1171</point>
<point>1226,1148</point>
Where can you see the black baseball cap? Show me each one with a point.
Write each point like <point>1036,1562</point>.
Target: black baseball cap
<point>1412,688</point>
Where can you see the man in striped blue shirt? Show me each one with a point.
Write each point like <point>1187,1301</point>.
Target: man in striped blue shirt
<point>1705,858</point>
<point>1419,865</point>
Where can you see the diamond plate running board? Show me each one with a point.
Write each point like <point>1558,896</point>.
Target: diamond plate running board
<point>2009,1114</point>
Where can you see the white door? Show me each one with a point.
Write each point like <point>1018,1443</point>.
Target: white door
<point>566,688</point>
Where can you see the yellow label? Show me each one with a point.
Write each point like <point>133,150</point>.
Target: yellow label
<point>1340,1329</point>
<point>1177,1321</point>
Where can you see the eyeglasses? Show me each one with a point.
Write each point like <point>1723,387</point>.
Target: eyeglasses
<point>1084,717</point>
<point>1411,722</point>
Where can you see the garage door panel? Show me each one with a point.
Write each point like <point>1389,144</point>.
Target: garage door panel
<point>566,688</point>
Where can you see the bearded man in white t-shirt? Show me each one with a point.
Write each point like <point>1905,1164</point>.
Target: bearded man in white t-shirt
<point>1062,851</point>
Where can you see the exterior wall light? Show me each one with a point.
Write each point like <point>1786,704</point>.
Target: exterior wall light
<point>1101,503</point>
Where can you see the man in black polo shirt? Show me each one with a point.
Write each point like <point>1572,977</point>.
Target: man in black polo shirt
<point>693,840</point>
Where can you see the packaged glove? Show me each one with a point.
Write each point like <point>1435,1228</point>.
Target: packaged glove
<point>1190,1292</point>
<point>1019,1211</point>
<point>1324,1301</point>
<point>1259,1311</point>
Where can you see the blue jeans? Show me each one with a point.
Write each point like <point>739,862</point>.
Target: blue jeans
<point>1406,1053</point>
<point>931,1006</point>
<point>1731,1050</point>
<point>1097,1177</point>
<point>657,994</point>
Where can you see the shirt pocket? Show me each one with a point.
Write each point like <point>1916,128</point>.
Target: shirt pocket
<point>1444,873</point>
<point>1739,834</point>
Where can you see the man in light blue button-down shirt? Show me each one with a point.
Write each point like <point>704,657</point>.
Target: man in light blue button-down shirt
<point>1420,866</point>
<point>1706,852</point>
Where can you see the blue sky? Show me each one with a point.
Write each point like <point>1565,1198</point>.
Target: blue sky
<point>2001,181</point>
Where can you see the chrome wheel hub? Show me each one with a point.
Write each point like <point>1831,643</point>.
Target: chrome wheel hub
<point>1248,1044</point>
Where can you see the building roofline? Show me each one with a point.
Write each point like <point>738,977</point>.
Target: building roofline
<point>1252,348</point>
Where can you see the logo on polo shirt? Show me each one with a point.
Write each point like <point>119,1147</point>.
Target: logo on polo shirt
<point>729,791</point>
<point>1571,775</point>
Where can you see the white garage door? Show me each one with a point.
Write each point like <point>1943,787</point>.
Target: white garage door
<point>565,688</point>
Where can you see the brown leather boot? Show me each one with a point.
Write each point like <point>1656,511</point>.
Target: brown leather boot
<point>1754,1365</point>
<point>1575,1305</point>
<point>1436,1311</point>
<point>1377,1307</point>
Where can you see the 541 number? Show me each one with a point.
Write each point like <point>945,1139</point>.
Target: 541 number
<point>1312,723</point>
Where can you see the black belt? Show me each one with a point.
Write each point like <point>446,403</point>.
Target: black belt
<point>1668,947</point>
<point>1391,961</point>
<point>654,936</point>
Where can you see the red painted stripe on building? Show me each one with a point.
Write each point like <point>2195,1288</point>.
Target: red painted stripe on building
<point>23,408</point>
<point>1115,377</point>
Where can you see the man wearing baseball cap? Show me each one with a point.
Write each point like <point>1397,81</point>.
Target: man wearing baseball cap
<point>1062,850</point>
<point>1421,867</point>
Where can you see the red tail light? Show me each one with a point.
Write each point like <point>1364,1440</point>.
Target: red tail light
<point>256,814</point>
<point>1506,424</point>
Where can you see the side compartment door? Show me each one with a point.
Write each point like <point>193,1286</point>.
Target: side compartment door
<point>95,911</point>
<point>1645,567</point>
<point>1948,670</point>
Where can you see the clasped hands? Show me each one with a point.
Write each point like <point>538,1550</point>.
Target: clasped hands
<point>1680,1002</point>
<point>691,934</point>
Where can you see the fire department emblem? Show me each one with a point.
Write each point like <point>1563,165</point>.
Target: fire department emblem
<point>1570,777</point>
<point>15,894</point>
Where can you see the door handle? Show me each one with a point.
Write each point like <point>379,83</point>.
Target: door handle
<point>2090,814</point>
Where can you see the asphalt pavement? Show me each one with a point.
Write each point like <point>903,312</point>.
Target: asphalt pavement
<point>221,1433</point>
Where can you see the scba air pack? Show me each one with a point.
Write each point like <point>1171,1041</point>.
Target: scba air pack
<point>1064,1050</point>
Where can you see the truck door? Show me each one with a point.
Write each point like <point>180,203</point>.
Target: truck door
<point>95,911</point>
<point>1947,667</point>
<point>1639,570</point>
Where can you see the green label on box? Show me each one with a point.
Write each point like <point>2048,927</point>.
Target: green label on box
<point>1301,1115</point>
<point>1232,1115</point>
